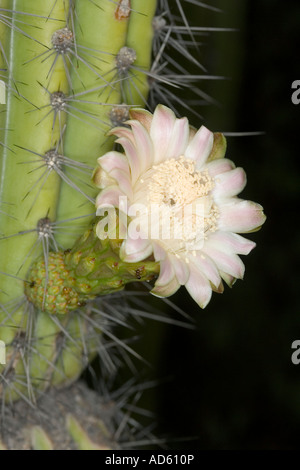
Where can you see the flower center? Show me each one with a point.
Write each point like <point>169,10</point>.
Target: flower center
<point>176,182</point>
<point>186,207</point>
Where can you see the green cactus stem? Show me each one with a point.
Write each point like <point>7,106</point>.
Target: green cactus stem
<point>72,419</point>
<point>58,60</point>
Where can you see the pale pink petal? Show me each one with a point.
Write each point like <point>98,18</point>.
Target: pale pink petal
<point>166,273</point>
<point>181,269</point>
<point>229,263</point>
<point>240,216</point>
<point>179,139</point>
<point>167,289</point>
<point>158,251</point>
<point>112,160</point>
<point>109,197</point>
<point>133,158</point>
<point>230,280</point>
<point>200,147</point>
<point>122,132</point>
<point>133,251</point>
<point>217,167</point>
<point>124,181</point>
<point>199,288</point>
<point>143,144</point>
<point>102,179</point>
<point>229,184</point>
<point>230,243</point>
<point>208,268</point>
<point>130,246</point>
<point>143,116</point>
<point>162,131</point>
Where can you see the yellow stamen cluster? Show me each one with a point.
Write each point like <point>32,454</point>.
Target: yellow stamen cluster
<point>176,185</point>
<point>176,182</point>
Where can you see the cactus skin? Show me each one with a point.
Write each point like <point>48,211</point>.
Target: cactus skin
<point>62,83</point>
<point>72,419</point>
<point>46,193</point>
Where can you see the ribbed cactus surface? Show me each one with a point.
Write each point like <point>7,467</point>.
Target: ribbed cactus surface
<point>70,71</point>
<point>67,69</point>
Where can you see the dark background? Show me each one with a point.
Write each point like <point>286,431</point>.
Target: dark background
<point>230,383</point>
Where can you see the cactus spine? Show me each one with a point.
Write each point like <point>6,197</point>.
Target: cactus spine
<point>72,69</point>
<point>63,82</point>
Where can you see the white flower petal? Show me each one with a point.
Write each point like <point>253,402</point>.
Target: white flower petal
<point>121,132</point>
<point>230,280</point>
<point>179,139</point>
<point>167,289</point>
<point>161,131</point>
<point>229,263</point>
<point>102,179</point>
<point>109,197</point>
<point>181,269</point>
<point>240,216</point>
<point>199,288</point>
<point>124,181</point>
<point>208,268</point>
<point>134,160</point>
<point>133,251</point>
<point>230,243</point>
<point>159,252</point>
<point>166,273</point>
<point>112,160</point>
<point>229,184</point>
<point>217,167</point>
<point>143,144</point>
<point>143,116</point>
<point>200,147</point>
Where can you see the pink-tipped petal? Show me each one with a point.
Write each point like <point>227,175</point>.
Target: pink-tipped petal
<point>200,147</point>
<point>166,273</point>
<point>124,181</point>
<point>217,167</point>
<point>159,252</point>
<point>109,197</point>
<point>229,184</point>
<point>133,158</point>
<point>131,246</point>
<point>179,139</point>
<point>199,288</point>
<point>122,132</point>
<point>143,116</point>
<point>133,251</point>
<point>230,243</point>
<point>229,263</point>
<point>241,216</point>
<point>181,269</point>
<point>167,289</point>
<point>161,131</point>
<point>112,160</point>
<point>102,179</point>
<point>230,280</point>
<point>208,268</point>
<point>143,144</point>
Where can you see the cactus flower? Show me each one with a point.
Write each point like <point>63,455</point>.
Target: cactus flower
<point>178,195</point>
